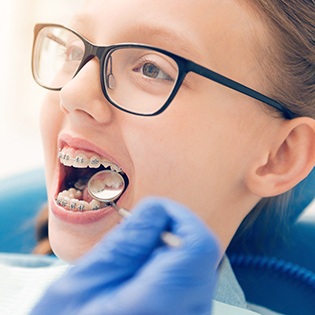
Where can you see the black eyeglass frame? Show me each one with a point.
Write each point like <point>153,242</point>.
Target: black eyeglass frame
<point>184,67</point>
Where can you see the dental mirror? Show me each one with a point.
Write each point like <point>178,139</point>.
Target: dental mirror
<point>107,186</point>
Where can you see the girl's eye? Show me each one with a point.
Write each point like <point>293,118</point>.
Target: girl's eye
<point>153,66</point>
<point>152,71</point>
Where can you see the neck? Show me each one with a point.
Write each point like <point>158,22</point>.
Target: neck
<point>225,223</point>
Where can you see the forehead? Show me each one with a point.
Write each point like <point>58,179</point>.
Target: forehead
<point>216,33</point>
<point>196,19</point>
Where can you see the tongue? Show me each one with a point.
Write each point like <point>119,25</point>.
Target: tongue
<point>86,196</point>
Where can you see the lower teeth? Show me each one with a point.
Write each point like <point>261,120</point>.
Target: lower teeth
<point>69,199</point>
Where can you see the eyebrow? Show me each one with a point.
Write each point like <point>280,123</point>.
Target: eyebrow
<point>170,40</point>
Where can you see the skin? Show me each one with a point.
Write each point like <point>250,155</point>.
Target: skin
<point>214,150</point>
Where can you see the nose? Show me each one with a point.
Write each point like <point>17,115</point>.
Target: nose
<point>83,98</point>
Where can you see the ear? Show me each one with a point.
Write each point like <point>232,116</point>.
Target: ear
<point>288,161</point>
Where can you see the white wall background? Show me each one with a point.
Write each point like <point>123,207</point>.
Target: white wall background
<point>20,97</point>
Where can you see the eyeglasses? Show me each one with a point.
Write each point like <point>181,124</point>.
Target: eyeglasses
<point>138,79</point>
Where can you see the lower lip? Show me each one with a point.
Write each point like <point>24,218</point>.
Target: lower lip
<point>84,217</point>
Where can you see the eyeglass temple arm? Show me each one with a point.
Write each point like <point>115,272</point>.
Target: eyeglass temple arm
<point>216,77</point>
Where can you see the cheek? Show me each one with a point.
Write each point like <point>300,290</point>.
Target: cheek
<point>180,159</point>
<point>51,119</point>
<point>190,155</point>
<point>50,116</point>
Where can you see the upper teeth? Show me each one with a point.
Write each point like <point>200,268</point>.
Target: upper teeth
<point>80,160</point>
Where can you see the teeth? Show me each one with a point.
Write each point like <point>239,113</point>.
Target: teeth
<point>81,161</point>
<point>68,157</point>
<point>74,203</point>
<point>83,205</point>
<point>115,168</point>
<point>64,156</point>
<point>75,194</point>
<point>94,162</point>
<point>69,200</point>
<point>95,205</point>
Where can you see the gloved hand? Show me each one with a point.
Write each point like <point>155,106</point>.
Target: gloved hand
<point>131,272</point>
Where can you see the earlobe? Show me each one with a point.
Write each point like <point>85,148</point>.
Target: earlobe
<point>288,161</point>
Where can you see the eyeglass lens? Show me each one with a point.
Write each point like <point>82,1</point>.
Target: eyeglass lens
<point>137,79</point>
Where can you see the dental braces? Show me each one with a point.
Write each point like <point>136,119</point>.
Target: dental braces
<point>92,162</point>
<point>79,205</point>
<point>79,159</point>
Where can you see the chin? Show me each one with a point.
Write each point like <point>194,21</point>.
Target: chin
<point>69,242</point>
<point>69,251</point>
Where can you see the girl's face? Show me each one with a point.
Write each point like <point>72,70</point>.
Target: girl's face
<point>196,152</point>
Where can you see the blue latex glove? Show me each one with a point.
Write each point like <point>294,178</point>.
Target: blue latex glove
<point>131,272</point>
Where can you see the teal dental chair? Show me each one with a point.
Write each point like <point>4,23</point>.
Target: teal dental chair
<point>21,198</point>
<point>283,280</point>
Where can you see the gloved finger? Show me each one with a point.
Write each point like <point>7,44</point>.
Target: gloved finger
<point>199,246</point>
<point>199,253</point>
<point>197,240</point>
<point>186,274</point>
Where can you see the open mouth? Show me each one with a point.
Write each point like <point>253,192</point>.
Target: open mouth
<point>77,167</point>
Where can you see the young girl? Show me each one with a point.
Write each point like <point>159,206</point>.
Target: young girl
<point>209,104</point>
